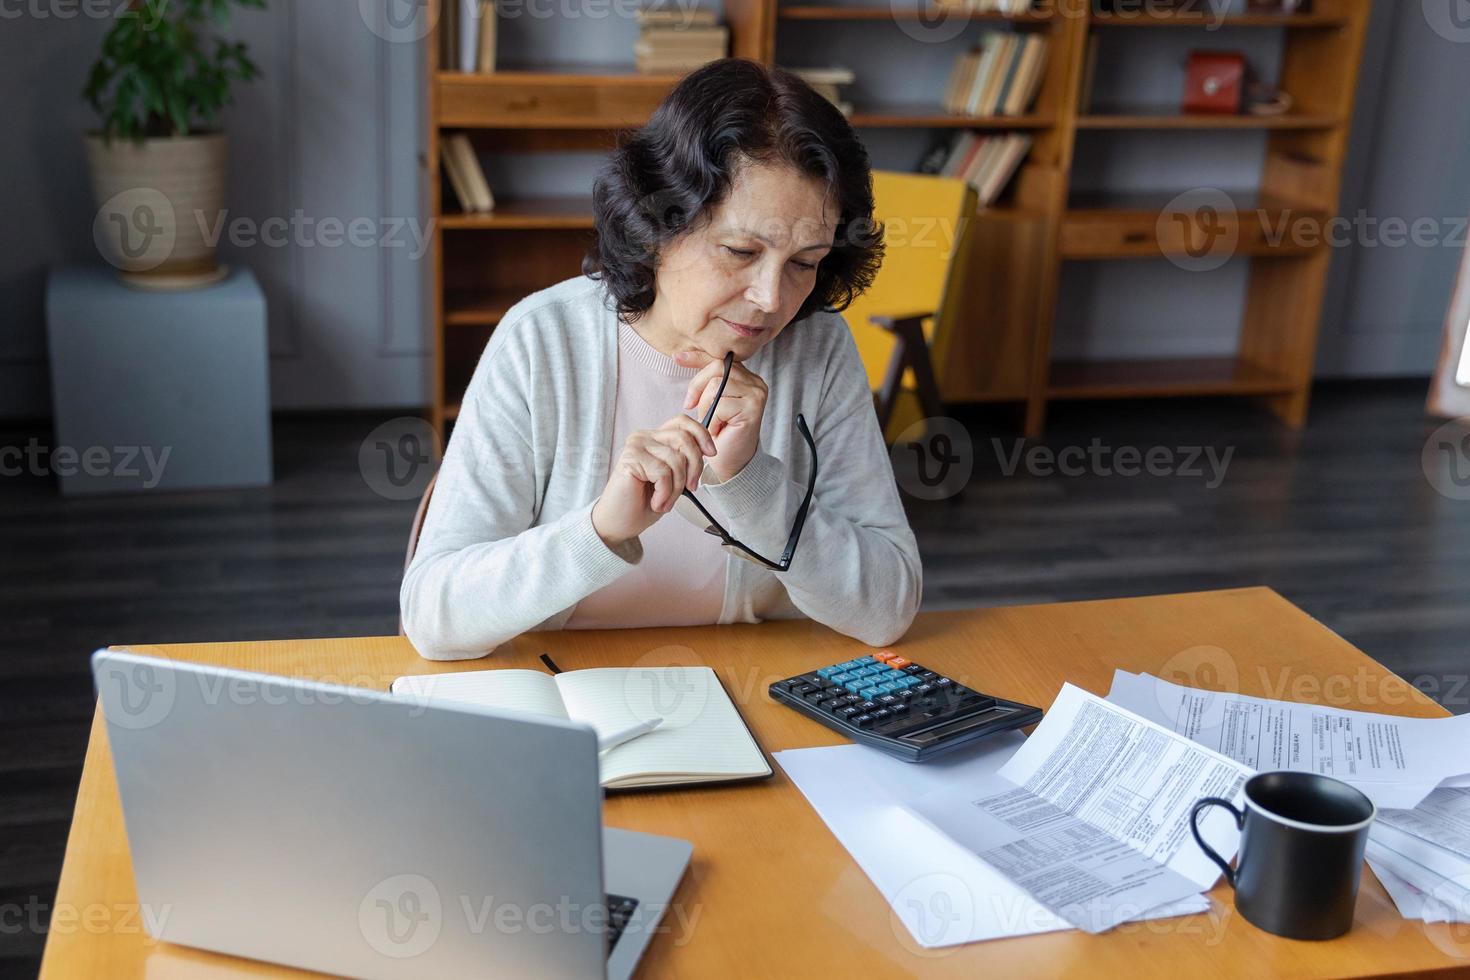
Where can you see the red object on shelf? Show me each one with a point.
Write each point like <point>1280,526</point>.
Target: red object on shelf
<point>1214,82</point>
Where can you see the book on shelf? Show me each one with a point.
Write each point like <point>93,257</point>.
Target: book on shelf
<point>671,40</point>
<point>985,162</point>
<point>826,81</point>
<point>466,176</point>
<point>1001,75</point>
<point>467,34</point>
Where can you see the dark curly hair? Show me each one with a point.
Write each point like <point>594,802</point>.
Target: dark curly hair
<point>664,178</point>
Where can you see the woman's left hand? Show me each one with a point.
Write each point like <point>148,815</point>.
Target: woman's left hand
<point>737,422</point>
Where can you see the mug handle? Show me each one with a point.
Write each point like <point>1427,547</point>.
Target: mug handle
<point>1200,807</point>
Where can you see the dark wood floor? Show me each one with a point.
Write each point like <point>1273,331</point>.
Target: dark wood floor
<point>1339,518</point>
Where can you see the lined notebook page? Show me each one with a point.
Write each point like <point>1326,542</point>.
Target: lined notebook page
<point>702,735</point>
<point>529,691</point>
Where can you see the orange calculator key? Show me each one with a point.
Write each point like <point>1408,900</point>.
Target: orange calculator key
<point>898,663</point>
<point>883,655</point>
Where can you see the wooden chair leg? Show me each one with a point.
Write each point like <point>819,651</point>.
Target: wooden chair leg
<point>910,353</point>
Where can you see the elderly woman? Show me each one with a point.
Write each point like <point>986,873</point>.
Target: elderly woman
<point>698,359</point>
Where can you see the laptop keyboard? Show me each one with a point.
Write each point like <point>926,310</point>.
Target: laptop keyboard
<point>619,911</point>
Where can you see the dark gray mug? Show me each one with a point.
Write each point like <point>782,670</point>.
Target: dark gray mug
<point>1301,852</point>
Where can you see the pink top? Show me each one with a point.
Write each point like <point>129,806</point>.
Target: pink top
<point>681,579</point>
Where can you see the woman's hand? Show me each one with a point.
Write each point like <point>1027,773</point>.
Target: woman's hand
<point>737,422</point>
<point>655,467</point>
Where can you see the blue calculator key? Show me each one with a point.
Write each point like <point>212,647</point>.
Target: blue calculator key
<point>850,664</point>
<point>856,685</point>
<point>894,675</point>
<point>886,688</point>
<point>841,678</point>
<point>869,692</point>
<point>829,671</point>
<point>865,660</point>
<point>907,682</point>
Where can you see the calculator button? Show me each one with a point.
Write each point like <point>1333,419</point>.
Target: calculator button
<point>898,707</point>
<point>792,683</point>
<point>943,682</point>
<point>816,697</point>
<point>914,669</point>
<point>865,660</point>
<point>882,714</point>
<point>887,700</point>
<point>841,678</point>
<point>847,712</point>
<point>862,721</point>
<point>857,685</point>
<point>883,655</point>
<point>803,690</point>
<point>905,694</point>
<point>866,706</point>
<point>899,662</point>
<point>928,675</point>
<point>894,675</point>
<point>924,688</point>
<point>829,671</point>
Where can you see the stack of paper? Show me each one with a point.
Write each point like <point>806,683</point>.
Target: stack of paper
<point>1084,824</point>
<point>1416,770</point>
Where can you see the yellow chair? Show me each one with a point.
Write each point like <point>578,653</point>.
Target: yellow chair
<point>904,322</point>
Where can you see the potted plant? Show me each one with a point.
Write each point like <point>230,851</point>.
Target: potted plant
<point>158,160</point>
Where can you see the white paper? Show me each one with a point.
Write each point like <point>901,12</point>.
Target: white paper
<point>941,892</point>
<point>1418,892</point>
<point>1091,815</point>
<point>1395,761</point>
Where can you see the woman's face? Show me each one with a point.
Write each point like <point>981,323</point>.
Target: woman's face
<point>735,281</point>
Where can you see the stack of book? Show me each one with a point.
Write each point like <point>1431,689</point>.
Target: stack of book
<point>986,163</point>
<point>825,82</point>
<point>677,40</point>
<point>467,35</point>
<point>999,77</point>
<point>466,177</point>
<point>1010,7</point>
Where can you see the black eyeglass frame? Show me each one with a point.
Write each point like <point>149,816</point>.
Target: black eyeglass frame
<point>717,529</point>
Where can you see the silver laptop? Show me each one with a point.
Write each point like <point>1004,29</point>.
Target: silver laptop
<point>351,832</point>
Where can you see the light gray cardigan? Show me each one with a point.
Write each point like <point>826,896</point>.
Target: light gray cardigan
<point>508,545</point>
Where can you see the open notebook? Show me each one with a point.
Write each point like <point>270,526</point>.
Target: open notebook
<point>702,738</point>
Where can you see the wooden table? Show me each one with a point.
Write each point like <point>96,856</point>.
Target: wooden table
<point>770,891</point>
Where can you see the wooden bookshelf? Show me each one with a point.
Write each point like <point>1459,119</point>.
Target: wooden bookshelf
<point>483,264</point>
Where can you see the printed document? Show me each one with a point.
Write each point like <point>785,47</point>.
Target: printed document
<point>1090,817</point>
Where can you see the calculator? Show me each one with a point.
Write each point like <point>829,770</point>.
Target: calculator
<point>900,707</point>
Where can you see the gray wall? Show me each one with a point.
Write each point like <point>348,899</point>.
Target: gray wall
<point>333,131</point>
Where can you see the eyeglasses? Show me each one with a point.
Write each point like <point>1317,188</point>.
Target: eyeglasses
<point>693,511</point>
